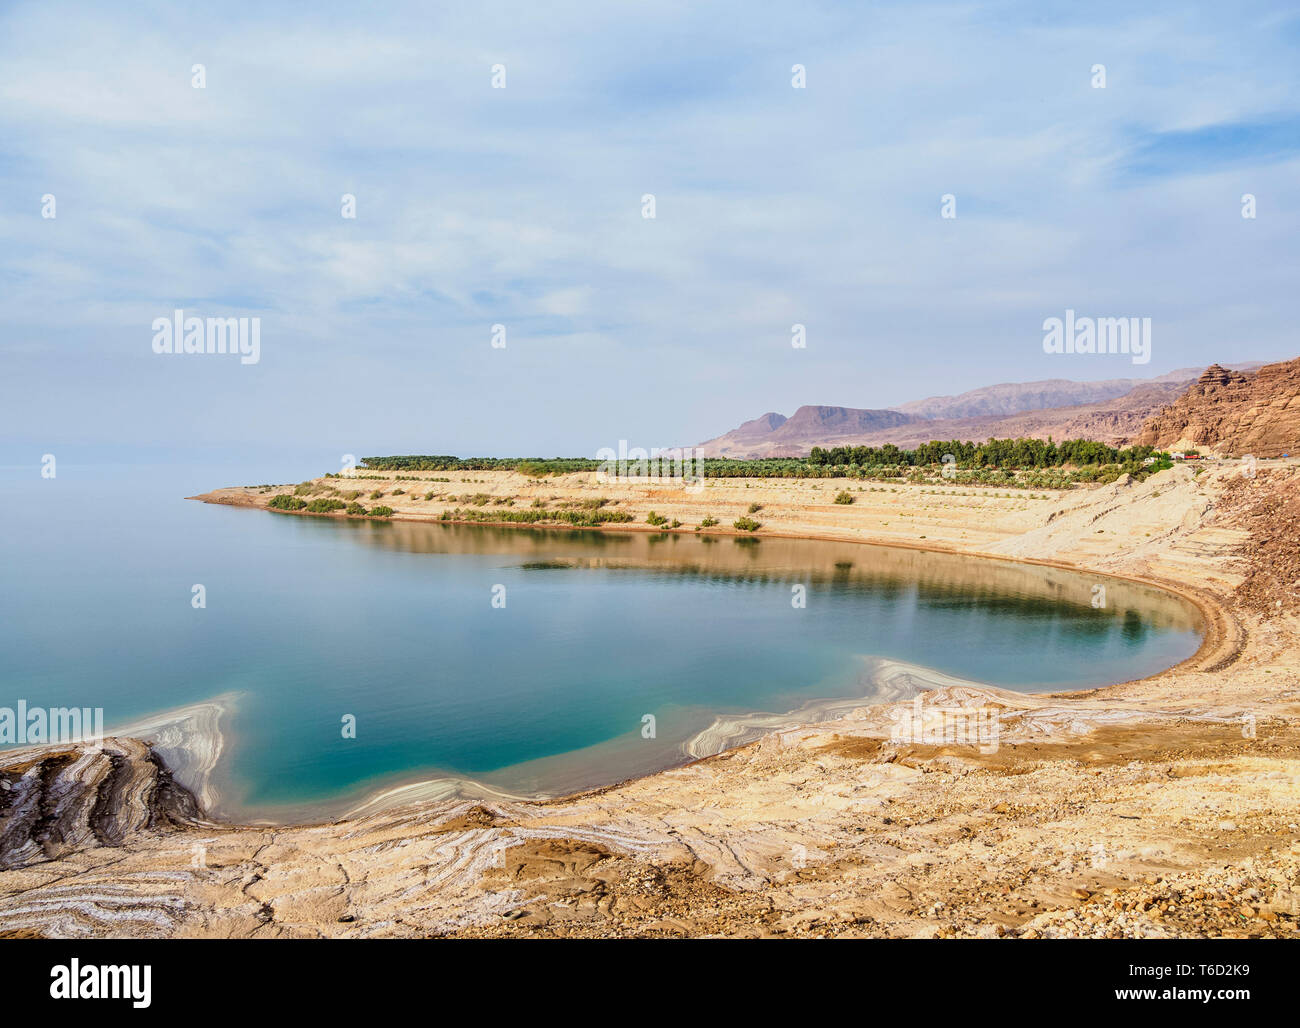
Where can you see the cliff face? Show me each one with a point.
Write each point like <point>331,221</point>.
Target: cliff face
<point>1233,413</point>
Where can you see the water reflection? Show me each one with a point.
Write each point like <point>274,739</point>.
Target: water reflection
<point>941,580</point>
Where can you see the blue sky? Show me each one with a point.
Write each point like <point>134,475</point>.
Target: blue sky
<point>522,206</point>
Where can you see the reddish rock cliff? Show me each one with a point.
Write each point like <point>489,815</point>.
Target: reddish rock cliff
<point>1234,413</point>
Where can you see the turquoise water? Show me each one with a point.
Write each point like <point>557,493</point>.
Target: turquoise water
<point>309,620</point>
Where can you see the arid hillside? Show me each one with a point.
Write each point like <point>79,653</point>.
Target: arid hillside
<point>1020,397</point>
<point>1234,413</point>
<point>1114,412</point>
<point>1113,421</point>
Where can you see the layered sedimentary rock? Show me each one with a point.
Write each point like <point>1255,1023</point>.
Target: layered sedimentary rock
<point>60,799</point>
<point>1233,413</point>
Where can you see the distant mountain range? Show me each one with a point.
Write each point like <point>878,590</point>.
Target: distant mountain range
<point>1112,411</point>
<point>1051,393</point>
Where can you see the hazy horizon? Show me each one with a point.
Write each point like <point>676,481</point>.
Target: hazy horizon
<point>523,206</point>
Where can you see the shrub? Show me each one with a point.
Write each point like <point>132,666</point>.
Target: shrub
<point>655,519</point>
<point>324,505</point>
<point>356,510</point>
<point>843,496</point>
<point>754,508</point>
<point>708,522</point>
<point>376,494</point>
<point>381,512</point>
<point>285,502</point>
<point>746,525</point>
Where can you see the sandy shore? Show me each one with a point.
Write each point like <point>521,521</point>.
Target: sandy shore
<point>1160,807</point>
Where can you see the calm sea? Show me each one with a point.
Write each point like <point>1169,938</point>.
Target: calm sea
<point>311,621</point>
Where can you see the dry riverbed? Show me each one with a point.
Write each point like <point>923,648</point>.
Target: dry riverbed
<point>1162,807</point>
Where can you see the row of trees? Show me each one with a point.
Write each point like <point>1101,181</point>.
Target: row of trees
<point>552,465</point>
<point>833,462</point>
<point>996,453</point>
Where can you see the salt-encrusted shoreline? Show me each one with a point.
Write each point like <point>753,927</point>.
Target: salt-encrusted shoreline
<point>190,743</point>
<point>888,681</point>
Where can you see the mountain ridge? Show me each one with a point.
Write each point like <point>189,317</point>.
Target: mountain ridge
<point>1043,394</point>
<point>1113,411</point>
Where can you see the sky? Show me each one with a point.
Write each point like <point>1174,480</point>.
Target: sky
<point>523,206</point>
